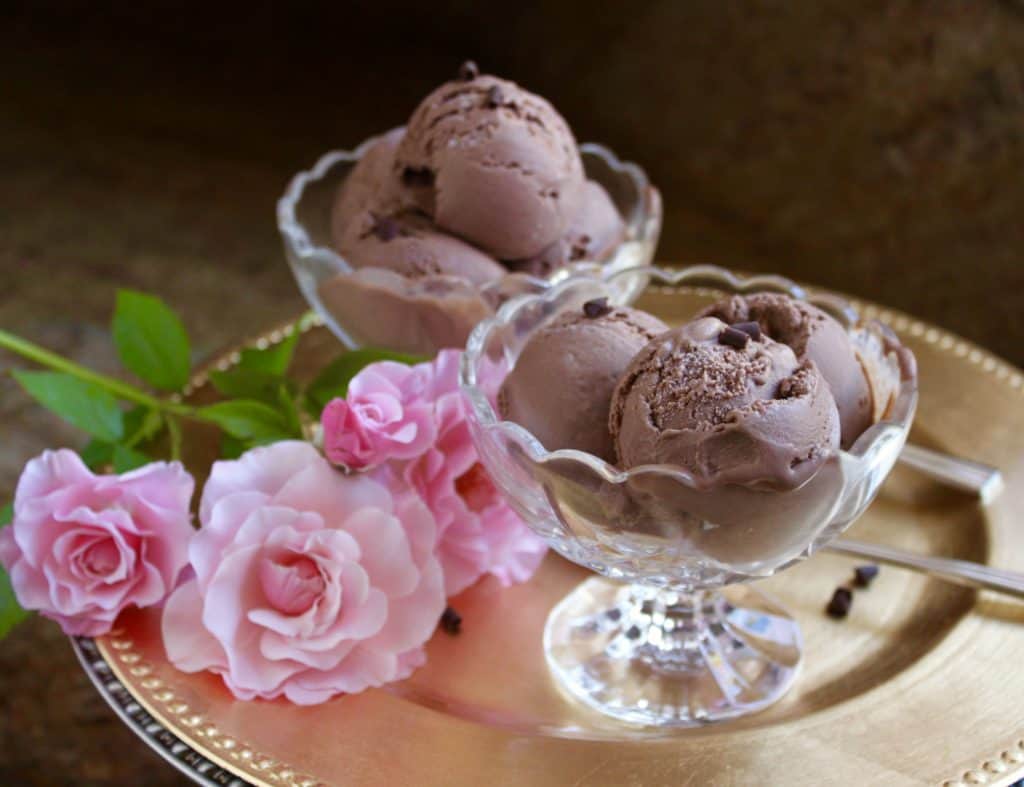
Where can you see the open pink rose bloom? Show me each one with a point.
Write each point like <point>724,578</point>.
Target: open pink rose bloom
<point>308,582</point>
<point>83,547</point>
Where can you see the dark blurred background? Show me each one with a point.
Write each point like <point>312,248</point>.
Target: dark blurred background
<point>871,147</point>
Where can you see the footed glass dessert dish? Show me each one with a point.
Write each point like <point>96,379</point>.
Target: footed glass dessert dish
<point>372,306</point>
<point>670,635</point>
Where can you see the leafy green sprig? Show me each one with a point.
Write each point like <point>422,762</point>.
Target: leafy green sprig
<point>130,424</point>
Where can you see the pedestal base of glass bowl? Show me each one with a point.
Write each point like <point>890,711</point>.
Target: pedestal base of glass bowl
<point>667,659</point>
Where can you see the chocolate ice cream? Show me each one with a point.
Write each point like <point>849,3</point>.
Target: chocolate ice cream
<point>407,243</point>
<point>731,406</point>
<point>372,185</point>
<point>561,385</point>
<point>494,164</point>
<point>814,336</point>
<point>595,230</point>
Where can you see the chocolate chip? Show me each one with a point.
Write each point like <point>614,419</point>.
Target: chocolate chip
<point>495,97</point>
<point>751,329</point>
<point>598,307</point>
<point>422,176</point>
<point>733,338</point>
<point>451,621</point>
<point>385,228</point>
<point>468,71</point>
<point>864,575</point>
<point>633,632</point>
<point>839,606</point>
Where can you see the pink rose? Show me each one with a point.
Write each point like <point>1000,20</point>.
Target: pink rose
<point>381,418</point>
<point>307,582</point>
<point>83,547</point>
<point>479,533</point>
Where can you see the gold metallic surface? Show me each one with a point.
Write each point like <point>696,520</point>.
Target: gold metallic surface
<point>922,684</point>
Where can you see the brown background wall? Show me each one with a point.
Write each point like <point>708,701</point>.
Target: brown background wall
<point>873,147</point>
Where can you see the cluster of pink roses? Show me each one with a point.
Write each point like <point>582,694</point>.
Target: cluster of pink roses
<point>304,580</point>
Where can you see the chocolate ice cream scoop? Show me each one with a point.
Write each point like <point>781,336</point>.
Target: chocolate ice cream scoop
<point>493,163</point>
<point>815,336</point>
<point>728,405</point>
<point>410,245</point>
<point>595,230</point>
<point>561,385</point>
<point>372,185</point>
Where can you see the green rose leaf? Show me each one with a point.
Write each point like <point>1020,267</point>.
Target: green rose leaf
<point>151,340</point>
<point>333,381</point>
<point>10,612</point>
<point>273,360</point>
<point>248,420</point>
<point>126,459</point>
<point>82,404</point>
<point>96,454</point>
<point>141,424</point>
<point>231,447</point>
<point>247,384</point>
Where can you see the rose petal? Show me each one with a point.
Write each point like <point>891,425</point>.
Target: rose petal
<point>189,647</point>
<point>265,469</point>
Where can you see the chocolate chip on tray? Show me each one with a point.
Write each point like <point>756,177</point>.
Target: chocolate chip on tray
<point>865,575</point>
<point>451,621</point>
<point>840,603</point>
<point>468,71</point>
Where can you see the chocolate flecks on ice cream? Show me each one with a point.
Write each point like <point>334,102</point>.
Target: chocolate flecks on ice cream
<point>727,408</point>
<point>814,336</point>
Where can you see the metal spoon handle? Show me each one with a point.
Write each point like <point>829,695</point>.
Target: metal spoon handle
<point>974,477</point>
<point>960,572</point>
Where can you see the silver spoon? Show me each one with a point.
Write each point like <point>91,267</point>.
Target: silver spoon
<point>959,572</point>
<point>973,477</point>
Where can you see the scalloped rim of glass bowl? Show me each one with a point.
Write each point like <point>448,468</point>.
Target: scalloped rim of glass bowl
<point>898,420</point>
<point>645,226</point>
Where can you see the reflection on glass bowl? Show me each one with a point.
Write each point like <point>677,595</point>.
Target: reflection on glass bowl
<point>661,645</point>
<point>377,307</point>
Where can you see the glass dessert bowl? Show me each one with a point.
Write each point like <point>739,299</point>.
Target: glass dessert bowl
<point>372,306</point>
<point>671,634</point>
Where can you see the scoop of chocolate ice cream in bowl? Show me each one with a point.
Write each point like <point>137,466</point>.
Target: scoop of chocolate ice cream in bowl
<point>681,463</point>
<point>409,240</point>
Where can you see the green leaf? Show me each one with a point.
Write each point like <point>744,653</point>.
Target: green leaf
<point>248,420</point>
<point>10,612</point>
<point>96,454</point>
<point>141,424</point>
<point>333,381</point>
<point>247,384</point>
<point>80,403</point>
<point>126,459</point>
<point>231,447</point>
<point>289,410</point>
<point>151,341</point>
<point>274,359</point>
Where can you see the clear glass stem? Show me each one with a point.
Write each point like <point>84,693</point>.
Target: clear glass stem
<point>665,658</point>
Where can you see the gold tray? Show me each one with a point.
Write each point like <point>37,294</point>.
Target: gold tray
<point>922,684</point>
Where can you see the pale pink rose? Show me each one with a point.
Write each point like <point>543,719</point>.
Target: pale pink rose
<point>82,547</point>
<point>308,582</point>
<point>479,533</point>
<point>382,417</point>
